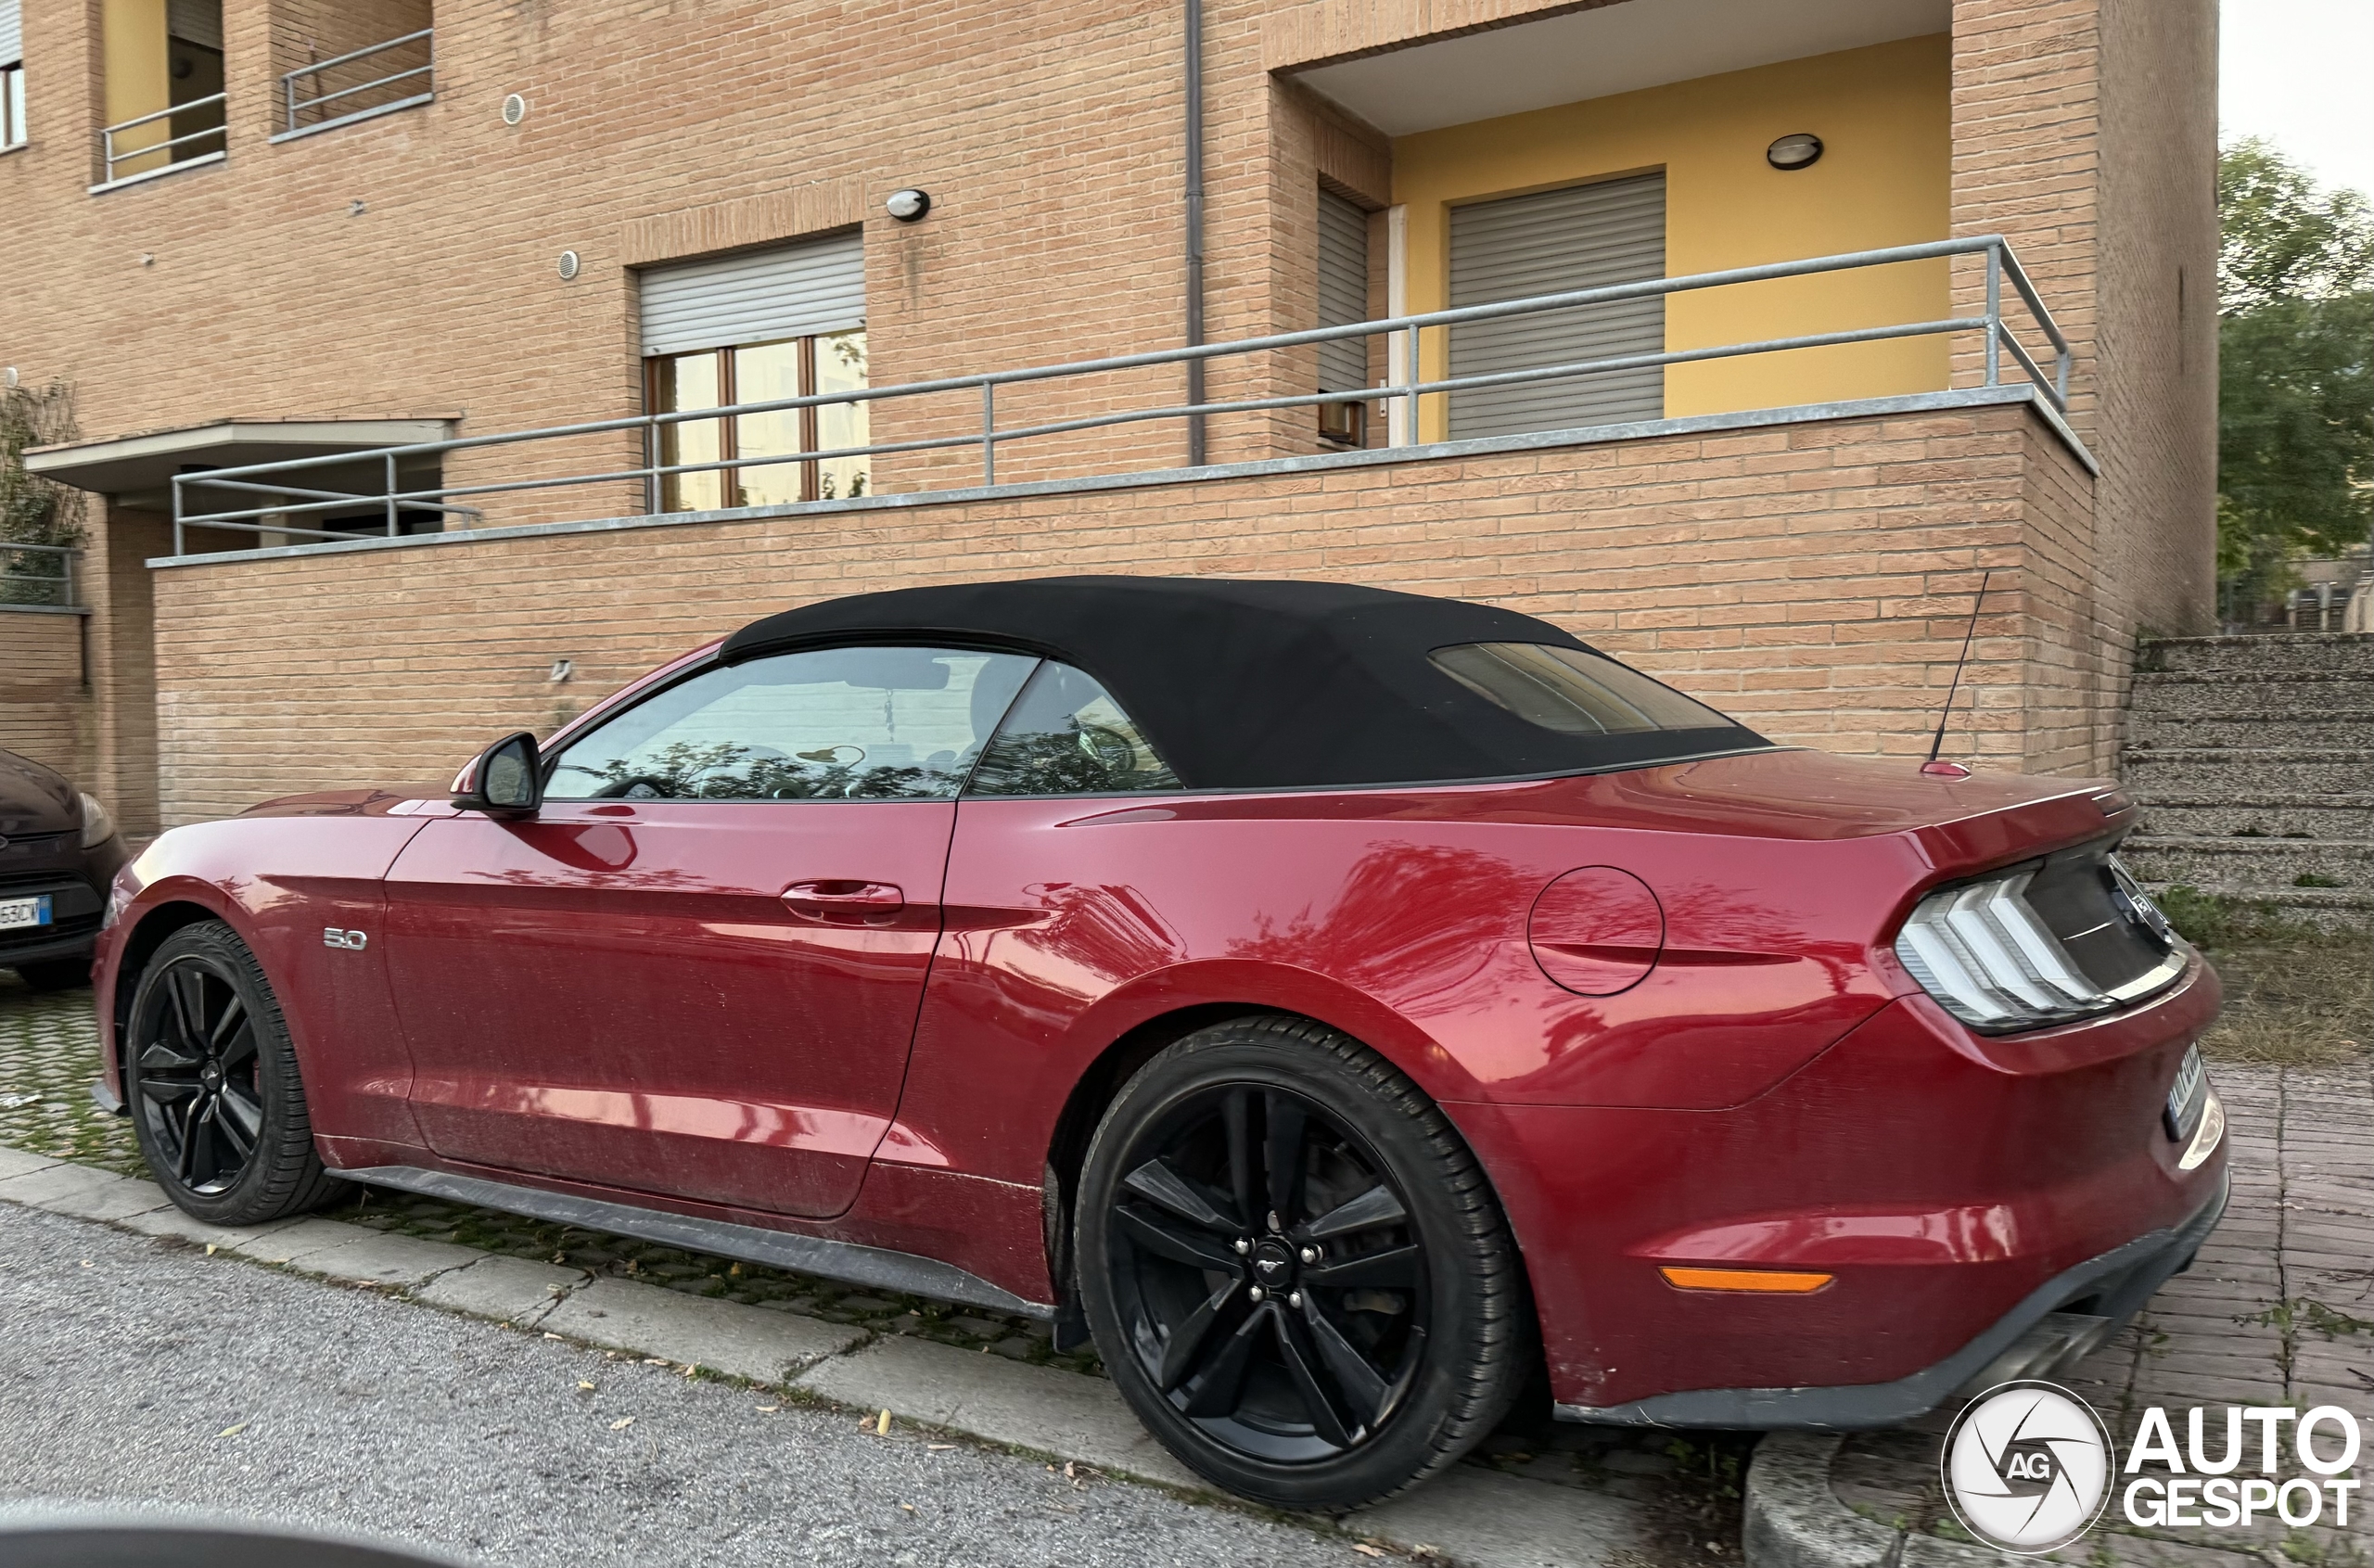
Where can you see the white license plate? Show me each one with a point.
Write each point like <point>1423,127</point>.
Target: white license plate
<point>16,914</point>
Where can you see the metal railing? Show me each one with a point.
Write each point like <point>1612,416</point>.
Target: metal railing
<point>169,147</point>
<point>1403,335</point>
<point>39,574</point>
<point>295,103</point>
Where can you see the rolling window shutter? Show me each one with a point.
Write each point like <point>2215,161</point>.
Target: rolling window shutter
<point>11,31</point>
<point>791,292</point>
<point>1584,237</point>
<point>196,21</point>
<point>1343,292</point>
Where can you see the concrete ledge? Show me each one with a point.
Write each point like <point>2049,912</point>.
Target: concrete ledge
<point>510,1290</point>
<point>1066,1414</point>
<point>83,1193</point>
<point>377,1258</point>
<point>1795,1521</point>
<point>722,1335</point>
<point>18,1162</point>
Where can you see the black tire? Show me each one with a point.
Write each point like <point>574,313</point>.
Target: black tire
<point>55,974</point>
<point>211,1080</point>
<point>1384,1245</point>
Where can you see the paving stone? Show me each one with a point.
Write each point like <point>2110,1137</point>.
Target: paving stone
<point>83,1193</point>
<point>510,1290</point>
<point>722,1335</point>
<point>1055,1411</point>
<point>300,1238</point>
<point>171,1221</point>
<point>22,1161</point>
<point>378,1259</point>
<point>1489,1521</point>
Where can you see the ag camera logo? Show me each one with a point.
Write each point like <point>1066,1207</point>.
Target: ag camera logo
<point>2027,1467</point>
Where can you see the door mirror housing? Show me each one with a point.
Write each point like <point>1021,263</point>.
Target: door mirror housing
<point>507,779</point>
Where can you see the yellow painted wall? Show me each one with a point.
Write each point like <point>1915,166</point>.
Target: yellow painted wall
<point>1882,115</point>
<point>138,77</point>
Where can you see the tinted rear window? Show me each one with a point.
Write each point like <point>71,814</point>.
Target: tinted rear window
<point>1570,692</point>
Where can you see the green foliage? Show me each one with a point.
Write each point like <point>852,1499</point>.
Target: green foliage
<point>2217,920</point>
<point>2296,379</point>
<point>34,510</point>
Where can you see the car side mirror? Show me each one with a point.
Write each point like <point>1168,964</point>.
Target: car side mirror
<point>507,780</point>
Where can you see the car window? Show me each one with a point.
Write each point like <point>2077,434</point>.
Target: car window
<point>873,724</point>
<point>1065,735</point>
<point>1570,691</point>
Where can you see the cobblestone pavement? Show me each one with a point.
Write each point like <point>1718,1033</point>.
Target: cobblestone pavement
<point>2278,1311</point>
<point>48,1057</point>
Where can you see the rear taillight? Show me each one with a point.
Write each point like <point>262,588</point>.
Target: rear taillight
<point>1982,951</point>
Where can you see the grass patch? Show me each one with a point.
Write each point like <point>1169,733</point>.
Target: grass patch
<point>2297,995</point>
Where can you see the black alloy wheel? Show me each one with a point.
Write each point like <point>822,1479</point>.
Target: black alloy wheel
<point>212,1082</point>
<point>1295,1268</point>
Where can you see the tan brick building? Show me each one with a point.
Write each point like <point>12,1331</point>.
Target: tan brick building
<point>238,246</point>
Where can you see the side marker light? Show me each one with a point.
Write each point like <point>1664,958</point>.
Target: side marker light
<point>1757,1281</point>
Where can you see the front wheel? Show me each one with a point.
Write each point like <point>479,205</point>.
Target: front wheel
<point>1295,1268</point>
<point>211,1080</point>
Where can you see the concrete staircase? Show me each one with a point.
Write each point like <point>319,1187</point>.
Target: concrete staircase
<point>2253,761</point>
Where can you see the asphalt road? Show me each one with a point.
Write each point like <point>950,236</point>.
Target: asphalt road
<point>134,1373</point>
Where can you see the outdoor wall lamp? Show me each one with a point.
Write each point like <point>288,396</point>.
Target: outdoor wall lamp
<point>909,205</point>
<point>1800,150</point>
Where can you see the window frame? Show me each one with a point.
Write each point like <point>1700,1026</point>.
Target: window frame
<point>667,489</point>
<point>14,130</point>
<point>597,720</point>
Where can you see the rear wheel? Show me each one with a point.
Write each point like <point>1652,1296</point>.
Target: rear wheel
<point>211,1079</point>
<point>1295,1270</point>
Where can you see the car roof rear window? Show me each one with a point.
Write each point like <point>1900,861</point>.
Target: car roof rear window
<point>1570,691</point>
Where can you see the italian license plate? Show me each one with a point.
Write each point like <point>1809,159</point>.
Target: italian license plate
<point>2188,1095</point>
<point>18,914</point>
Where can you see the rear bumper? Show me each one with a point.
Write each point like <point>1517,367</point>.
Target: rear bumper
<point>1956,1191</point>
<point>2058,1324</point>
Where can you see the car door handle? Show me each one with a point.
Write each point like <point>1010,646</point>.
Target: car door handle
<point>845,900</point>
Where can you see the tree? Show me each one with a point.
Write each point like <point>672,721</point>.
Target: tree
<point>34,510</point>
<point>2296,436</point>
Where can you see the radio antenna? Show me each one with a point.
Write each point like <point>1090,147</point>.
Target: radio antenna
<point>1938,744</point>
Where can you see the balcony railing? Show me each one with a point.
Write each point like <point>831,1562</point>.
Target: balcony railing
<point>302,91</point>
<point>1403,335</point>
<point>38,574</point>
<point>172,146</point>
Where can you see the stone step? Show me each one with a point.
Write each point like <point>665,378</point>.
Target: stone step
<point>2345,910</point>
<point>2157,694</point>
<point>2304,726</point>
<point>2247,772</point>
<point>2289,651</point>
<point>2273,863</point>
<point>2226,813</point>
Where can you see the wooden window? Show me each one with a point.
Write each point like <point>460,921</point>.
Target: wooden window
<point>756,372</point>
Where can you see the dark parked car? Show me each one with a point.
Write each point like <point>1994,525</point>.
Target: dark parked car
<point>58,851</point>
<point>1344,1005</point>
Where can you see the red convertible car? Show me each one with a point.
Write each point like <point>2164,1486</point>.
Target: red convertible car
<point>1346,1006</point>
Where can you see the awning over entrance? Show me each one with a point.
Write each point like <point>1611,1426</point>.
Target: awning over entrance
<point>138,470</point>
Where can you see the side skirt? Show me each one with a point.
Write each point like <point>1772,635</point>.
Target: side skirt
<point>847,1261</point>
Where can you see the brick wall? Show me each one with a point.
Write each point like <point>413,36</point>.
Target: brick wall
<point>1813,579</point>
<point>45,706</point>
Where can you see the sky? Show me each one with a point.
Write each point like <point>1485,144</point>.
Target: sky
<point>2301,74</point>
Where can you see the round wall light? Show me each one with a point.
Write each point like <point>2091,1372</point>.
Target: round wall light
<point>909,205</point>
<point>1799,150</point>
<point>515,109</point>
<point>568,265</point>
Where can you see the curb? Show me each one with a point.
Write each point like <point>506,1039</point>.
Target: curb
<point>1795,1521</point>
<point>1477,1518</point>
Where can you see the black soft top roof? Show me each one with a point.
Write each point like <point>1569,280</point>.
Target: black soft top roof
<point>1256,684</point>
